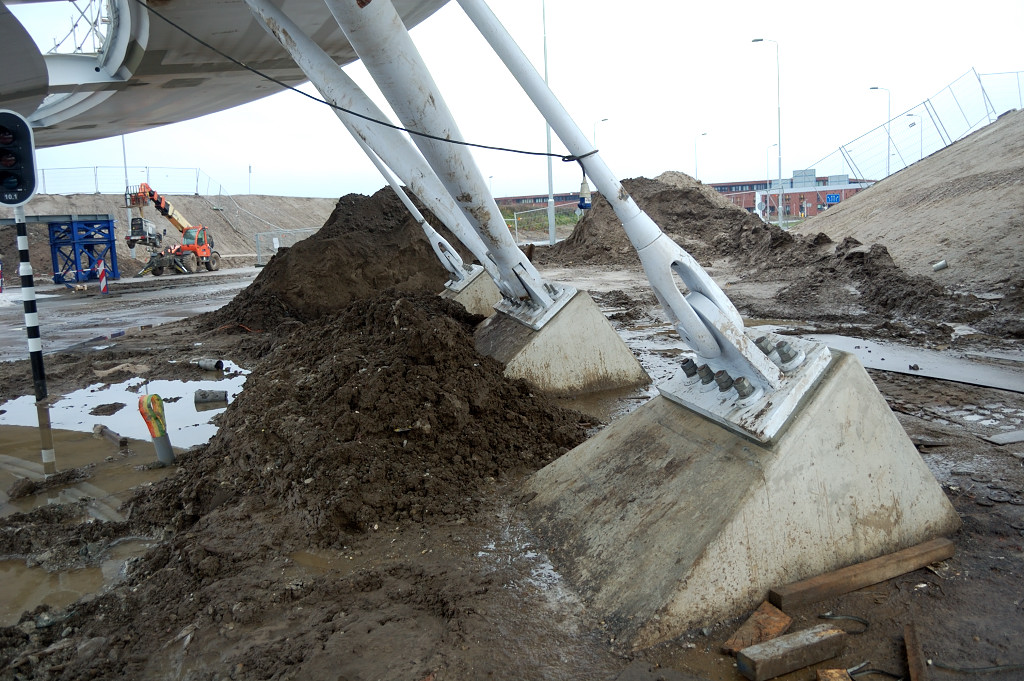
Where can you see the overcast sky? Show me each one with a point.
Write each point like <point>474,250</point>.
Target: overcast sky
<point>662,72</point>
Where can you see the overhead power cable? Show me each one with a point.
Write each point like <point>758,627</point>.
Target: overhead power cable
<point>388,124</point>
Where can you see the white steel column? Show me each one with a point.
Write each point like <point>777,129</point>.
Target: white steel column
<point>393,148</point>
<point>380,39</point>
<point>705,317</point>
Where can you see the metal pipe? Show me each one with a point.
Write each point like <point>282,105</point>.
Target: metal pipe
<point>202,396</point>
<point>552,232</point>
<point>152,409</point>
<point>376,32</point>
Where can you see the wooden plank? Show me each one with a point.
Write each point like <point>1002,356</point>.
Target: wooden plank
<point>764,624</point>
<point>833,675</point>
<point>915,656</point>
<point>789,652</point>
<point>860,575</point>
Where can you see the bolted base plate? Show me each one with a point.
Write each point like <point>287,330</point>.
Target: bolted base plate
<point>763,414</point>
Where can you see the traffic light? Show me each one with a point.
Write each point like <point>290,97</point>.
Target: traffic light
<point>17,160</point>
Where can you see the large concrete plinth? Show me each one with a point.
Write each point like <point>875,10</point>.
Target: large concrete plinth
<point>576,351</point>
<point>478,295</point>
<point>666,521</point>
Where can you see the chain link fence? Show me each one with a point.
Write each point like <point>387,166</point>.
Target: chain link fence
<point>969,103</point>
<point>114,179</point>
<point>268,243</point>
<point>532,224</point>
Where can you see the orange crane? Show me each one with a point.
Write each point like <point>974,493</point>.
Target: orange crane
<point>196,239</point>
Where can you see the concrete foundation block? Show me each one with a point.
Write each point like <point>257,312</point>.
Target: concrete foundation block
<point>666,521</point>
<point>477,295</point>
<point>577,351</point>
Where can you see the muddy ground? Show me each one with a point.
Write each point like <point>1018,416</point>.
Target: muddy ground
<point>358,514</point>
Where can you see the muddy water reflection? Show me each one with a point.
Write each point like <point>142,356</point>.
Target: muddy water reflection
<point>116,406</point>
<point>25,588</point>
<point>110,472</point>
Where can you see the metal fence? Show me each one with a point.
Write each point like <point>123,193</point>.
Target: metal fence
<point>268,243</point>
<point>969,103</point>
<point>114,179</point>
<point>536,220</point>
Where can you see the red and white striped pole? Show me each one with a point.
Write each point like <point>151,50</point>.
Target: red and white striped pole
<point>103,277</point>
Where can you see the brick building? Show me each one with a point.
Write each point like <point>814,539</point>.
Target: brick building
<point>806,194</point>
<point>536,200</point>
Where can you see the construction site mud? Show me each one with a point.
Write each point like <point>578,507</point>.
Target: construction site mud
<point>358,514</point>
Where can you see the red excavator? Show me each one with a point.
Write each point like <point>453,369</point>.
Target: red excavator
<point>196,240</point>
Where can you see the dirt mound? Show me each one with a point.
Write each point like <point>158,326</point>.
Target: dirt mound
<point>963,204</point>
<point>383,413</point>
<point>367,245</point>
<point>376,418</point>
<point>820,278</point>
<point>675,178</point>
<point>687,213</point>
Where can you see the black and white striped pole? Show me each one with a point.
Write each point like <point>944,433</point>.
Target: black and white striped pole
<point>17,186</point>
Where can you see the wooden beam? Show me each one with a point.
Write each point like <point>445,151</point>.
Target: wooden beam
<point>860,575</point>
<point>915,656</point>
<point>764,624</point>
<point>790,652</point>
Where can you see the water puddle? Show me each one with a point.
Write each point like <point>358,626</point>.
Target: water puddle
<point>116,407</point>
<point>107,472</point>
<point>25,588</point>
<point>104,475</point>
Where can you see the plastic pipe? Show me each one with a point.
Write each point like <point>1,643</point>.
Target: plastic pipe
<point>152,409</point>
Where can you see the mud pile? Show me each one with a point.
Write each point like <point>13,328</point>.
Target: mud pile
<point>819,278</point>
<point>687,213</point>
<point>383,413</point>
<point>377,418</point>
<point>367,245</point>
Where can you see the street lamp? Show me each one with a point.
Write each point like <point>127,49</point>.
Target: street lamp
<point>888,118</point>
<point>768,177</point>
<point>595,130</point>
<point>920,130</point>
<point>703,134</point>
<point>778,92</point>
<point>547,128</point>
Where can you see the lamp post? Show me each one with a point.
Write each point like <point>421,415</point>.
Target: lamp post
<point>778,93</point>
<point>920,130</point>
<point>888,118</point>
<point>595,130</point>
<point>547,126</point>
<point>695,176</point>
<point>768,177</point>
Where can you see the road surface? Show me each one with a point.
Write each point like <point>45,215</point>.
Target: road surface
<point>68,318</point>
